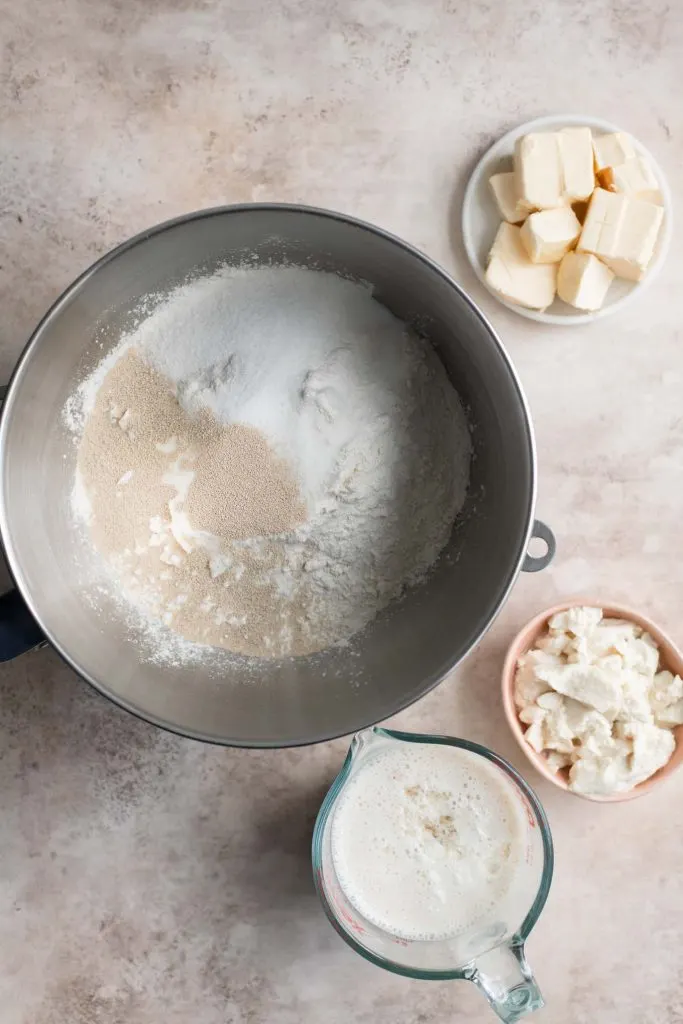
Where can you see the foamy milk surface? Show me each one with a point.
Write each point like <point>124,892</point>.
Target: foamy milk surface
<point>427,840</point>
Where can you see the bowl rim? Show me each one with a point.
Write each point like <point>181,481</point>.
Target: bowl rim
<point>28,593</point>
<point>523,641</point>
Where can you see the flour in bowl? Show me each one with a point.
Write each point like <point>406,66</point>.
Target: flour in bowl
<point>269,459</point>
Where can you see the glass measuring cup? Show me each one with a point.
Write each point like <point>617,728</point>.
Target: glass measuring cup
<point>491,954</point>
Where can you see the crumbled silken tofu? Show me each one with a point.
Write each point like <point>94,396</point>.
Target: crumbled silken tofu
<point>601,775</point>
<point>554,726</point>
<point>575,620</point>
<point>622,232</point>
<point>639,749</point>
<point>666,699</point>
<point>512,275</point>
<point>549,234</point>
<point>504,191</point>
<point>615,637</point>
<point>592,729</point>
<point>598,686</point>
<point>595,703</point>
<point>528,686</point>
<point>671,716</point>
<point>554,643</point>
<point>556,762</point>
<point>651,748</point>
<point>641,653</point>
<point>666,689</point>
<point>561,722</point>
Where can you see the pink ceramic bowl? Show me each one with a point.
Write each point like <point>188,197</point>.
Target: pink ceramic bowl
<point>670,658</point>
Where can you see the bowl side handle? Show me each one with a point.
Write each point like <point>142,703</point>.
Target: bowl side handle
<point>534,563</point>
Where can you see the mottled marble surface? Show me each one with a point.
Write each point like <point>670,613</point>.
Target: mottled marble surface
<point>147,879</point>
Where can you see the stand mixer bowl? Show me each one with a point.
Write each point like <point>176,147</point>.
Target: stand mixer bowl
<point>414,643</point>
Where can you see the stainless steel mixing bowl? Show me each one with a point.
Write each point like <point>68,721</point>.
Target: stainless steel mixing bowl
<point>409,648</point>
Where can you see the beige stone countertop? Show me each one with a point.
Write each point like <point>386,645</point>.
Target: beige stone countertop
<point>145,879</point>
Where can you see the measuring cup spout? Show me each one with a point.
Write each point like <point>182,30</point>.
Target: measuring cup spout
<point>486,949</point>
<point>504,976</point>
<point>364,741</point>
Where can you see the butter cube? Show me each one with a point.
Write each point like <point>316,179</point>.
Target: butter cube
<point>513,276</point>
<point>582,280</point>
<point>612,150</point>
<point>554,168</point>
<point>576,158</point>
<point>538,171</point>
<point>622,232</point>
<point>549,234</point>
<point>635,177</point>
<point>505,193</point>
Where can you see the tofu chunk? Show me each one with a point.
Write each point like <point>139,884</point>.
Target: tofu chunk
<point>608,713</point>
<point>598,686</point>
<point>670,716</point>
<point>666,689</point>
<point>651,748</point>
<point>528,687</point>
<point>595,775</point>
<point>576,620</point>
<point>666,699</point>
<point>556,761</point>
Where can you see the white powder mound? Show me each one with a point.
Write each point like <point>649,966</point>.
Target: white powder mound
<point>307,358</point>
<point>358,405</point>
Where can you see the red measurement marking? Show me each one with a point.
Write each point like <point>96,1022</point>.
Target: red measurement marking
<point>531,817</point>
<point>350,920</point>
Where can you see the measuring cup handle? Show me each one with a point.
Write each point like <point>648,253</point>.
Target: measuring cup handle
<point>503,975</point>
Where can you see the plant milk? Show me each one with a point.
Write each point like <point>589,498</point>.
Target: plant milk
<point>427,840</point>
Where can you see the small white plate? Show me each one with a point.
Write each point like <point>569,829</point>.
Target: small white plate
<point>481,219</point>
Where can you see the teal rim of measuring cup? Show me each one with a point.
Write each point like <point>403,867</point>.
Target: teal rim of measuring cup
<point>532,916</point>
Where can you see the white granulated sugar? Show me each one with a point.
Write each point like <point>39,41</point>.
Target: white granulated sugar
<point>356,404</point>
<point>311,361</point>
